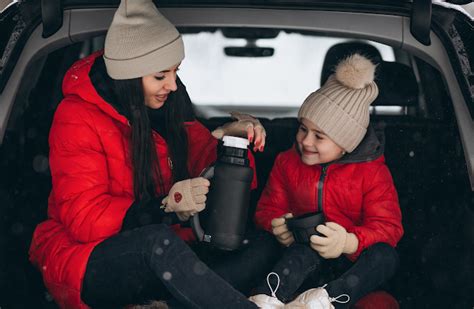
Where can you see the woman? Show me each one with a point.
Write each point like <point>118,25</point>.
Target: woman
<point>122,139</point>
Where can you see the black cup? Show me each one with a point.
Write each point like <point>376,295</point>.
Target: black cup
<point>304,226</point>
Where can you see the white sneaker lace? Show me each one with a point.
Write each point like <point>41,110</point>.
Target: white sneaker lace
<point>270,286</point>
<point>336,299</point>
<point>331,299</point>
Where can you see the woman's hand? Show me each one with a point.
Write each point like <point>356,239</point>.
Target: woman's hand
<point>187,197</point>
<point>280,230</point>
<point>336,242</point>
<point>245,126</point>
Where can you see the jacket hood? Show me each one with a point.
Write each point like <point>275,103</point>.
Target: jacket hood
<point>77,83</point>
<point>370,148</point>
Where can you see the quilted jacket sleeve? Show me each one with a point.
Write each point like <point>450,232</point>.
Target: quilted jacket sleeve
<point>274,201</point>
<point>83,203</point>
<point>381,215</point>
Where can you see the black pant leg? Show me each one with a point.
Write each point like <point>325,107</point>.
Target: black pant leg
<point>246,267</point>
<point>118,271</point>
<point>294,266</point>
<point>375,266</point>
<point>152,261</point>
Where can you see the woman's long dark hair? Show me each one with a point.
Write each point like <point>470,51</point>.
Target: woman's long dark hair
<point>146,170</point>
<point>179,110</point>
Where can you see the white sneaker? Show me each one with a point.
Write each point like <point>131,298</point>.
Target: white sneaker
<point>266,302</point>
<point>317,298</point>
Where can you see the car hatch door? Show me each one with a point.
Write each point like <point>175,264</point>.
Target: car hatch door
<point>455,28</point>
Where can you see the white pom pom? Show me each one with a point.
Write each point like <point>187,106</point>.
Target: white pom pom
<point>355,71</point>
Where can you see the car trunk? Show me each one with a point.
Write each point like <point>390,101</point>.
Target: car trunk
<point>431,158</point>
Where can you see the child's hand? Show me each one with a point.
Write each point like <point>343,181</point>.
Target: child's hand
<point>280,230</point>
<point>336,242</point>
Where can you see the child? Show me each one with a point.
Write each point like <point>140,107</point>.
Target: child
<point>336,167</point>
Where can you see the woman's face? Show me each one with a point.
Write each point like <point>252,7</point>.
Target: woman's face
<point>157,86</point>
<point>315,146</point>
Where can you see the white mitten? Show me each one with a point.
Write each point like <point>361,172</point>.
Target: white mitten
<point>336,242</point>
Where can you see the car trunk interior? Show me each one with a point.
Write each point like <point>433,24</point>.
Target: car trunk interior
<point>423,153</point>
<point>422,147</point>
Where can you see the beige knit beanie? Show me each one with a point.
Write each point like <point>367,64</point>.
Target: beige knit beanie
<point>341,106</point>
<point>140,41</point>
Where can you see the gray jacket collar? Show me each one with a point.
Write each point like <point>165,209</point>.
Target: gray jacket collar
<point>370,148</point>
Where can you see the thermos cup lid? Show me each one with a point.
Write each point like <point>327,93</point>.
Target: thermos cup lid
<point>237,142</point>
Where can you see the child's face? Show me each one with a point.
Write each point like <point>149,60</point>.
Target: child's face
<point>316,147</point>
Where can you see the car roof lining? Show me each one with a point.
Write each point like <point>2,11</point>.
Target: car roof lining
<point>253,3</point>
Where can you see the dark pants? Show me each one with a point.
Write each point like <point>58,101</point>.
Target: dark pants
<point>244,268</point>
<point>152,262</point>
<point>300,264</point>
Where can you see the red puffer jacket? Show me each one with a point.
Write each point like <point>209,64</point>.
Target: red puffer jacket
<point>92,182</point>
<point>359,196</point>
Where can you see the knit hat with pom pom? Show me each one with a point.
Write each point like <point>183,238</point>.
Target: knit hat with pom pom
<point>140,41</point>
<point>340,108</point>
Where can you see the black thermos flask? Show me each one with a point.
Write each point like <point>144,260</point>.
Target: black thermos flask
<point>228,198</point>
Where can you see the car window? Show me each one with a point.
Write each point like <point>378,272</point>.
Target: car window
<point>266,86</point>
<point>217,82</point>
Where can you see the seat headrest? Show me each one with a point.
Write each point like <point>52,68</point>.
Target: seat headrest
<point>397,85</point>
<point>342,50</point>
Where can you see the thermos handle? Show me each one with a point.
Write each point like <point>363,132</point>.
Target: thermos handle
<point>207,173</point>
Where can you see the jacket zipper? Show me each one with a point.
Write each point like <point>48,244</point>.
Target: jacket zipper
<point>320,188</point>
